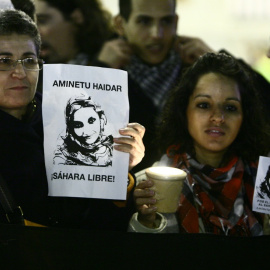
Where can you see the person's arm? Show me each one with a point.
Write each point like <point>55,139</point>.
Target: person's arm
<point>166,223</point>
<point>115,53</point>
<point>136,226</point>
<point>147,220</point>
<point>190,48</point>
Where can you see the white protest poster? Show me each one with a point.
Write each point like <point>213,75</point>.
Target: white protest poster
<point>83,109</point>
<point>6,4</point>
<point>261,197</point>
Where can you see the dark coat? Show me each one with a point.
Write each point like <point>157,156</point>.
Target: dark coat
<point>23,168</point>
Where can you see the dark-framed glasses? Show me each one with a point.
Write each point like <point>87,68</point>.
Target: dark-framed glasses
<point>27,63</point>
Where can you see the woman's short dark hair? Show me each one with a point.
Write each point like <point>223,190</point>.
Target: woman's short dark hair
<point>253,137</point>
<point>15,21</point>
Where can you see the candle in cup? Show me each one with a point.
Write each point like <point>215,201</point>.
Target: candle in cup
<point>168,184</point>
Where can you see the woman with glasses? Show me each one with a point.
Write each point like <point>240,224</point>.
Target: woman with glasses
<point>21,137</point>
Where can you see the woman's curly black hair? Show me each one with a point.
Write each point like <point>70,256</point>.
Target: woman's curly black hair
<point>253,139</point>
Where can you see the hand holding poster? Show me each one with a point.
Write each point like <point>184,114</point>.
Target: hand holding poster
<point>83,109</point>
<point>261,198</point>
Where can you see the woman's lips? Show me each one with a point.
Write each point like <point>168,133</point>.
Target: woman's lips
<point>215,132</point>
<point>19,88</point>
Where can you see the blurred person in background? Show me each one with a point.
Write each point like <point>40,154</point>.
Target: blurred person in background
<point>71,31</point>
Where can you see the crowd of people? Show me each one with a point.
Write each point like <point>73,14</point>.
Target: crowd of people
<point>22,159</point>
<point>202,111</point>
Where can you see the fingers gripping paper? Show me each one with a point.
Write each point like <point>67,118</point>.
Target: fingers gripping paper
<point>83,109</point>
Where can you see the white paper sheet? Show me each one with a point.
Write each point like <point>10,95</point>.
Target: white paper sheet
<point>83,108</point>
<point>261,197</point>
<point>6,4</point>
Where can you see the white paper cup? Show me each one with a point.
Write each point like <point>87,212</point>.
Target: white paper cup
<point>168,184</point>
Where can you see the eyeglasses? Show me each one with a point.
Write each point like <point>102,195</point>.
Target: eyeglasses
<point>27,63</point>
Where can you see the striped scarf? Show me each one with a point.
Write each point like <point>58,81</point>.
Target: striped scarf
<point>157,80</point>
<point>217,200</point>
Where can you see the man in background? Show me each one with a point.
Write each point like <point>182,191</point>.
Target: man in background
<point>148,48</point>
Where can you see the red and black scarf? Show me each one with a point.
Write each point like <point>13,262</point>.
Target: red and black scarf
<point>217,200</point>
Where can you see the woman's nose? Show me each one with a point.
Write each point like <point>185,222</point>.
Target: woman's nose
<point>19,71</point>
<point>218,116</point>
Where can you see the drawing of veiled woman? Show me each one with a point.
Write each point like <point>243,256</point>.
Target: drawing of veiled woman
<point>84,142</point>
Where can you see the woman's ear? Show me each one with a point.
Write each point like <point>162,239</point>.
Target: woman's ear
<point>118,23</point>
<point>77,16</point>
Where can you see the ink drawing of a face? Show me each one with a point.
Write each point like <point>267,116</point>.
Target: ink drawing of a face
<point>84,142</point>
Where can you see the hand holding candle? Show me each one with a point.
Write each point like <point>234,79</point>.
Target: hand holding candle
<point>168,184</point>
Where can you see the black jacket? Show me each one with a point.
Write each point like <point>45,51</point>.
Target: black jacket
<point>23,168</point>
